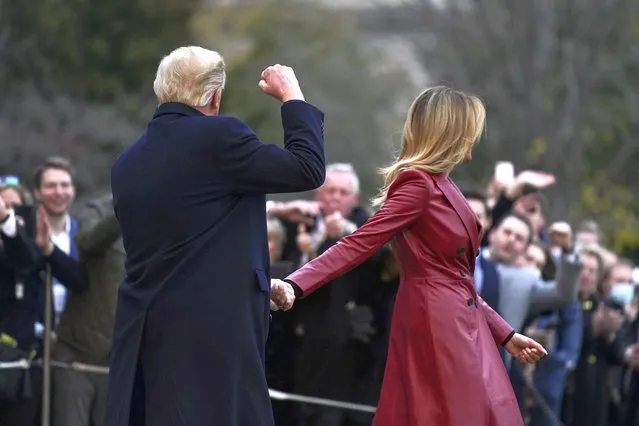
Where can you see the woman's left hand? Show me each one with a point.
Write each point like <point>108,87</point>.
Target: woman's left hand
<point>524,349</point>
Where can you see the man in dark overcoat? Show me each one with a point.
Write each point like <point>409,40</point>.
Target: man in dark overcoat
<point>193,311</point>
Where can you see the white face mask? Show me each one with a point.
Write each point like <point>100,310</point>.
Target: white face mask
<point>622,293</point>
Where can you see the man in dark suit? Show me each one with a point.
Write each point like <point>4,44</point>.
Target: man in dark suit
<point>193,311</point>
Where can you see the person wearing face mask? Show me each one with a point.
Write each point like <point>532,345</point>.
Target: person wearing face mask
<point>618,283</point>
<point>618,292</point>
<point>594,400</point>
<point>629,343</point>
<point>623,294</point>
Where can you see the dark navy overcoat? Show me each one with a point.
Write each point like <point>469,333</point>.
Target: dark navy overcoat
<point>193,312</point>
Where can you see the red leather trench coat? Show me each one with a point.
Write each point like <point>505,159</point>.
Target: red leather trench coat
<point>443,366</point>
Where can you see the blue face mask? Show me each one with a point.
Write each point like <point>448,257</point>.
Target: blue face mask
<point>622,293</point>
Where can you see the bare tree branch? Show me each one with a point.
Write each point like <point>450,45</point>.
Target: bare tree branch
<point>538,66</point>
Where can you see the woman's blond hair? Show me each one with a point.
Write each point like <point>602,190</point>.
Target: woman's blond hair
<point>441,128</point>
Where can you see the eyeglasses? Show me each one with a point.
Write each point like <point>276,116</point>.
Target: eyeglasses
<point>9,180</point>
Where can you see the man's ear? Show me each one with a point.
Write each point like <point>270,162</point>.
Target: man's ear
<point>216,100</point>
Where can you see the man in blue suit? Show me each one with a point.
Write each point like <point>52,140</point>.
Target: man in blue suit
<point>193,311</point>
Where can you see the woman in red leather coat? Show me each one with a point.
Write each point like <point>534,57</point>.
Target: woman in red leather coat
<point>443,366</point>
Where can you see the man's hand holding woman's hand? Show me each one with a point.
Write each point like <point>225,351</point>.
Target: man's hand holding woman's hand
<point>282,295</point>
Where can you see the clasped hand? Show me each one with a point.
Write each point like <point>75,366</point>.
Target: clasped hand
<point>282,295</point>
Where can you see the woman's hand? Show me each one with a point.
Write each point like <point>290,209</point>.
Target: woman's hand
<point>524,349</point>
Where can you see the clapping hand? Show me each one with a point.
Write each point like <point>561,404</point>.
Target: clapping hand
<point>43,232</point>
<point>524,349</point>
<point>282,295</point>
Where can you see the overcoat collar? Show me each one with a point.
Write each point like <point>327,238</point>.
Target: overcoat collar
<point>175,108</point>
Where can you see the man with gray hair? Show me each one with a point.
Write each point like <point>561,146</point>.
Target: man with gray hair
<point>326,326</point>
<point>193,310</point>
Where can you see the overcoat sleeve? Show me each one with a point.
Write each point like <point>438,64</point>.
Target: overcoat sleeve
<point>252,166</point>
<point>407,198</point>
<point>499,328</point>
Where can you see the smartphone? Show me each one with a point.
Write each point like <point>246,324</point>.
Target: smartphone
<point>28,215</point>
<point>504,171</point>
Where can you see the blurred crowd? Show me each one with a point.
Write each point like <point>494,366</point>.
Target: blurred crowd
<point>556,282</point>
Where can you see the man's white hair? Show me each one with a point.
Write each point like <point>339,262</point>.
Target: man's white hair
<point>348,169</point>
<point>190,75</point>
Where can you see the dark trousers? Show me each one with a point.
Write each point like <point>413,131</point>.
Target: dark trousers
<point>25,411</point>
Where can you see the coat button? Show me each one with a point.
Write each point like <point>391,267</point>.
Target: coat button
<point>460,251</point>
<point>471,302</point>
<point>462,273</point>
